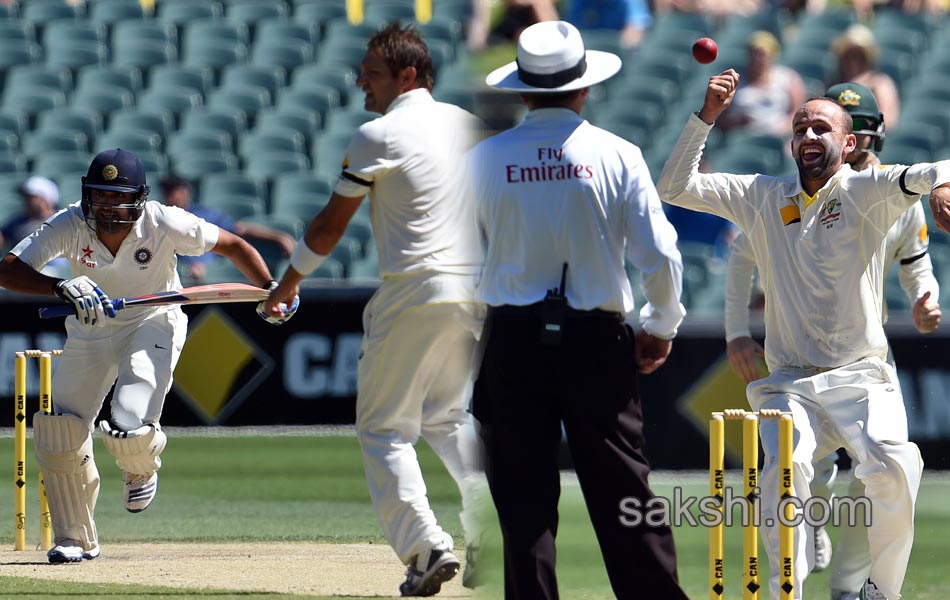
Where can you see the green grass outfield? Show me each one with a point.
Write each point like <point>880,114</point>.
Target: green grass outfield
<point>311,488</point>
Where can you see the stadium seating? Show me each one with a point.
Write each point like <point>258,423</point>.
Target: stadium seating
<point>178,76</point>
<point>263,94</point>
<point>111,75</point>
<point>42,141</point>
<point>157,121</point>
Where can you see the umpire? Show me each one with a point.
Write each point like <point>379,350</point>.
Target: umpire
<point>559,203</point>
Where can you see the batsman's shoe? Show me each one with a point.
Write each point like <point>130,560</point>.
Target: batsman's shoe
<point>822,549</point>
<point>472,576</point>
<point>140,490</point>
<point>428,571</point>
<point>870,592</point>
<point>67,551</point>
<point>839,595</point>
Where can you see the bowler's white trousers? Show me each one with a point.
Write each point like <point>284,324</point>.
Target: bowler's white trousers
<point>857,407</point>
<point>418,364</point>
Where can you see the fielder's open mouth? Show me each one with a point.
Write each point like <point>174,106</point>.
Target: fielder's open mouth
<point>812,155</point>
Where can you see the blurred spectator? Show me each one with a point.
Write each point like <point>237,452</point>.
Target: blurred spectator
<point>178,192</point>
<point>705,228</point>
<point>863,9</point>
<point>516,16</point>
<point>479,25</point>
<point>40,197</point>
<point>692,226</point>
<point>936,7</point>
<point>768,94</point>
<point>632,17</point>
<point>40,200</point>
<point>714,8</point>
<point>857,53</point>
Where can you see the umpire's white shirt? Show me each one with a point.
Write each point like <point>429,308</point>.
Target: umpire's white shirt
<point>145,264</point>
<point>412,172</point>
<point>556,189</point>
<point>821,311</point>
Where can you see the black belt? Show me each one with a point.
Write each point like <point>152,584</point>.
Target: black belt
<point>534,311</point>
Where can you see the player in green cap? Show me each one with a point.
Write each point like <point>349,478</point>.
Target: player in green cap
<point>867,122</point>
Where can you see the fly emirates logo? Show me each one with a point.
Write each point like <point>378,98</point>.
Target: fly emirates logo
<point>551,168</point>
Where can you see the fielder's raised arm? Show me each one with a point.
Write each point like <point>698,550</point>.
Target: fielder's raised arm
<point>818,237</point>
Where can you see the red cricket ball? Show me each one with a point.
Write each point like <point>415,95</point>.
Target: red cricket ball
<point>705,50</point>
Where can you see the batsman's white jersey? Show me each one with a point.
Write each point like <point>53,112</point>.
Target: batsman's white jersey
<point>906,243</point>
<point>140,345</point>
<point>422,325</point>
<point>822,267</point>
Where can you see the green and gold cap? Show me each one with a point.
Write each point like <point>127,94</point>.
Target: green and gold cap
<point>860,104</point>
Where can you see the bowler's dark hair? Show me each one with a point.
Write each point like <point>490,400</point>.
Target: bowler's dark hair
<point>403,47</point>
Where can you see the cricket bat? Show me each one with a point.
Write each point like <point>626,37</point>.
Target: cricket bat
<point>200,294</point>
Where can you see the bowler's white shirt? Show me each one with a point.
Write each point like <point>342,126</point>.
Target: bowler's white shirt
<point>145,263</point>
<point>555,189</point>
<point>821,266</point>
<point>906,243</point>
<point>410,162</point>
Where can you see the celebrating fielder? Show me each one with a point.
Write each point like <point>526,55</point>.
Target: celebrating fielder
<point>906,245</point>
<point>117,244</point>
<point>818,239</point>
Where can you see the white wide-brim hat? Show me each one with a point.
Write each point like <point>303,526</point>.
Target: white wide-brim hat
<point>552,59</point>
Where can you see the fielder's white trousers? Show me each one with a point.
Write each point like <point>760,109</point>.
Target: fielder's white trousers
<point>857,407</point>
<point>851,559</point>
<point>139,358</point>
<point>417,368</point>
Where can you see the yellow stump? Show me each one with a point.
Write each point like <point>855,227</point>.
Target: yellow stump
<point>786,431</point>
<point>354,11</point>
<point>46,405</point>
<point>717,457</point>
<point>423,11</point>
<point>19,445</point>
<point>750,471</point>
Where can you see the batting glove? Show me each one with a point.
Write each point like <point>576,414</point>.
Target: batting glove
<point>286,311</point>
<point>91,303</point>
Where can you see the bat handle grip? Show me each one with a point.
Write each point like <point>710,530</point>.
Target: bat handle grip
<point>64,310</point>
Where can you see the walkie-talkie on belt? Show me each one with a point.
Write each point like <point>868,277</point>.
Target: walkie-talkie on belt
<point>552,313</point>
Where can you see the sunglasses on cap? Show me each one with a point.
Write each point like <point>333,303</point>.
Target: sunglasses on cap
<point>863,124</point>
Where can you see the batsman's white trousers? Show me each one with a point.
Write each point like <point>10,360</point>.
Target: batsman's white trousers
<point>857,407</point>
<point>416,372</point>
<point>140,358</point>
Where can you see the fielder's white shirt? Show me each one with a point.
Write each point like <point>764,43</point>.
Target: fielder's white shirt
<point>410,162</point>
<point>144,264</point>
<point>906,243</point>
<point>820,265</point>
<point>556,189</point>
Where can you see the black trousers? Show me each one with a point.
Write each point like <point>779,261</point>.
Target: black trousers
<point>524,391</point>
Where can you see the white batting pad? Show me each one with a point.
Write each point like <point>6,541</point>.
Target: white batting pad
<point>135,451</point>
<point>64,453</point>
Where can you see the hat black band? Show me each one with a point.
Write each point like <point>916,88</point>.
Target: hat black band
<point>553,80</point>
